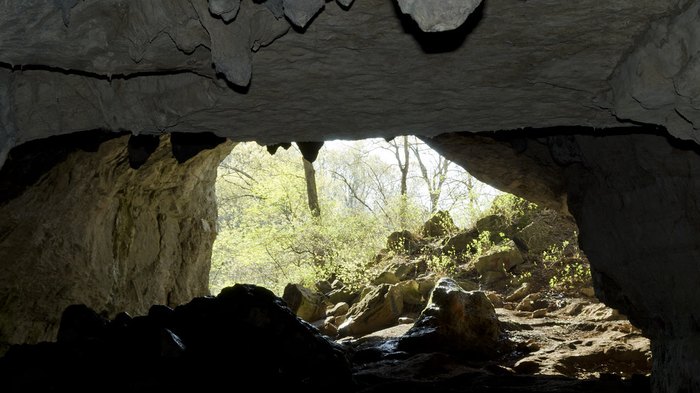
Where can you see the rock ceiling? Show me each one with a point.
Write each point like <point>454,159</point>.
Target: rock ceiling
<point>281,70</point>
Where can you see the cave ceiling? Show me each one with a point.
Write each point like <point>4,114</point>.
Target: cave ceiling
<point>309,70</point>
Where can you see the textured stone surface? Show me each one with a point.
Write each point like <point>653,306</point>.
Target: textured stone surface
<point>300,12</point>
<point>635,201</point>
<point>438,15</point>
<point>519,165</point>
<point>94,231</point>
<point>455,321</point>
<point>153,66</point>
<point>379,308</point>
<point>305,303</point>
<point>658,82</point>
<point>500,259</point>
<point>377,74</point>
<point>246,333</point>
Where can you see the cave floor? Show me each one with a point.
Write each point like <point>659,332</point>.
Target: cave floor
<point>583,346</point>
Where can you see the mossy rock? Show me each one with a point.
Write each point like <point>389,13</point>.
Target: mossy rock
<point>404,242</point>
<point>439,225</point>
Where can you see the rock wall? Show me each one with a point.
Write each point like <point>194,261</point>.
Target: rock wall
<point>635,199</point>
<point>93,230</point>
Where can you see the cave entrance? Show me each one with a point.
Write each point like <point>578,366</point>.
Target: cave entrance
<point>361,259</point>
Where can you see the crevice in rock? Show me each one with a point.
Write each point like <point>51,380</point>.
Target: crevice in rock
<point>87,74</point>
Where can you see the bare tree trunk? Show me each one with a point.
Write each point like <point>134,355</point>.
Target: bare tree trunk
<point>311,191</point>
<point>434,180</point>
<point>404,167</point>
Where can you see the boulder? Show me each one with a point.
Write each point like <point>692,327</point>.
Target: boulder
<point>532,302</point>
<point>546,229</point>
<point>323,286</point>
<point>260,341</point>
<point>520,293</point>
<point>490,278</point>
<point>306,304</point>
<point>458,243</point>
<point>386,277</point>
<point>337,310</point>
<point>406,270</point>
<point>500,258</point>
<point>410,291</point>
<point>426,284</point>
<point>467,285</point>
<point>494,223</point>
<point>455,321</point>
<point>379,308</point>
<point>439,225</point>
<point>403,242</point>
<point>495,299</point>
<point>344,295</point>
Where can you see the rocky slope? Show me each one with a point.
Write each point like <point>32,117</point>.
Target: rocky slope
<point>534,280</point>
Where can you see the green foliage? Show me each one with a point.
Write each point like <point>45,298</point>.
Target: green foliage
<point>444,264</point>
<point>268,236</point>
<point>567,273</point>
<point>484,243</point>
<point>513,208</point>
<point>481,244</point>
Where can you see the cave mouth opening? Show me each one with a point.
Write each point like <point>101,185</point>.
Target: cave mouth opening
<point>328,257</point>
<point>94,228</point>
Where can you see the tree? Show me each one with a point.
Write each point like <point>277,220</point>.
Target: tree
<point>311,189</point>
<point>403,164</point>
<point>270,232</point>
<point>434,179</point>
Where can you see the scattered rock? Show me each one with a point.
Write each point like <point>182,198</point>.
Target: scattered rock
<point>588,291</point>
<point>386,277</point>
<point>340,308</point>
<point>599,312</point>
<point>305,303</point>
<point>455,321</point>
<point>410,292</point>
<point>439,225</point>
<point>531,302</point>
<point>379,308</point>
<point>458,243</point>
<point>499,259</point>
<point>540,313</point>
<point>520,293</point>
<point>403,242</point>
<point>262,341</point>
<point>342,295</point>
<point>406,320</point>
<point>495,299</point>
<point>495,224</point>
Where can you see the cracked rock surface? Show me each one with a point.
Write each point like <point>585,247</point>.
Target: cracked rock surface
<point>366,70</point>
